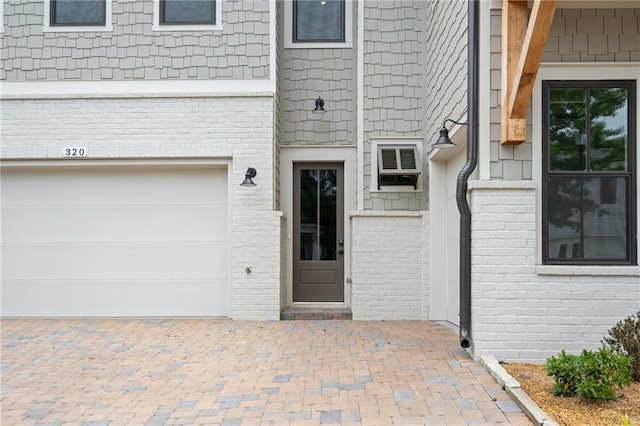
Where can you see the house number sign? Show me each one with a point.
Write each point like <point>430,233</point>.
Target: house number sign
<point>74,151</point>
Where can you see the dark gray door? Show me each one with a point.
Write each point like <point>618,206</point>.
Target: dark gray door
<point>318,233</point>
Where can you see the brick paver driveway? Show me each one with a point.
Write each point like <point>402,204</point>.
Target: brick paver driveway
<point>209,371</point>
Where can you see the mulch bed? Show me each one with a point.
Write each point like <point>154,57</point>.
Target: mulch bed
<point>575,411</point>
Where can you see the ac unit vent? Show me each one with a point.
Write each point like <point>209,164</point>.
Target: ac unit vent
<point>407,159</point>
<point>398,165</point>
<point>389,159</point>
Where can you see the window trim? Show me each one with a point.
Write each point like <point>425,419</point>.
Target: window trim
<point>71,28</point>
<point>1,16</point>
<point>631,173</point>
<point>289,43</point>
<point>159,26</point>
<point>376,143</point>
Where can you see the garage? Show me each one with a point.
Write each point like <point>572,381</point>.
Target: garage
<point>114,239</point>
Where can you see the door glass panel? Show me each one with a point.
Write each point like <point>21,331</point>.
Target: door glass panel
<point>308,214</point>
<point>609,129</point>
<point>318,214</point>
<point>567,129</point>
<point>328,196</point>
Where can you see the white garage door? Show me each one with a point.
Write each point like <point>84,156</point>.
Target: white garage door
<point>114,241</point>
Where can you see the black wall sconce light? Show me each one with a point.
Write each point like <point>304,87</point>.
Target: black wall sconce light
<point>319,109</point>
<point>248,177</point>
<point>444,141</point>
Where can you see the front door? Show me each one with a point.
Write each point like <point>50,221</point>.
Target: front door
<point>318,233</point>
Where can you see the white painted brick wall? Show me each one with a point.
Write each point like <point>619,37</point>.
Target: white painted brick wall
<point>239,129</point>
<point>521,312</point>
<point>389,266</point>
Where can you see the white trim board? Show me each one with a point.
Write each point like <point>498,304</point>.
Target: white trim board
<point>122,88</point>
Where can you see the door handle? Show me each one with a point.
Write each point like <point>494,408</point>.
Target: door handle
<point>341,244</point>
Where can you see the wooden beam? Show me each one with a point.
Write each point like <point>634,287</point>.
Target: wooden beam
<point>515,16</point>
<point>533,48</point>
<point>521,57</point>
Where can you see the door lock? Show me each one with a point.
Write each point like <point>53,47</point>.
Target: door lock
<point>341,244</point>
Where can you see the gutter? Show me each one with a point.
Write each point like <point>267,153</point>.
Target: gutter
<point>464,175</point>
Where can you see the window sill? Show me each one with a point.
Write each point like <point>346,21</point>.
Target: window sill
<point>77,29</point>
<point>589,270</point>
<point>342,45</point>
<point>388,188</point>
<point>174,28</point>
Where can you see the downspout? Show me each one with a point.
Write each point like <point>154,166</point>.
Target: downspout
<point>472,160</point>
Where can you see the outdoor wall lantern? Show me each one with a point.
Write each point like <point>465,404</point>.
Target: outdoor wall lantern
<point>319,109</point>
<point>444,141</point>
<point>248,177</point>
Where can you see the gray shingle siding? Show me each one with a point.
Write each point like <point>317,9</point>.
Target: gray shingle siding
<point>445,64</point>
<point>393,88</point>
<point>306,74</point>
<point>133,50</point>
<point>577,35</point>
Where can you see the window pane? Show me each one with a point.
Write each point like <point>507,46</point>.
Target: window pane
<point>567,129</point>
<point>584,223</point>
<point>319,20</point>
<point>188,12</point>
<point>78,12</point>
<point>609,133</point>
<point>328,214</point>
<point>309,215</point>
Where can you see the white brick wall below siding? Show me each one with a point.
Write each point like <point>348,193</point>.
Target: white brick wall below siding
<point>389,266</point>
<point>522,311</point>
<point>235,130</point>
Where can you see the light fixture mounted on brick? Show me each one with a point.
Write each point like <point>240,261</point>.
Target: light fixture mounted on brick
<point>248,177</point>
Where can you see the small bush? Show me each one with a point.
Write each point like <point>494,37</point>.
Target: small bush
<point>565,372</point>
<point>624,337</point>
<point>591,375</point>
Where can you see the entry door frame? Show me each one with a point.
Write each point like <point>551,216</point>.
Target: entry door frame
<point>330,154</point>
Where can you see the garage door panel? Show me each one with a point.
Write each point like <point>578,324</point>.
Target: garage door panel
<point>103,298</point>
<point>114,261</point>
<point>123,241</point>
<point>113,187</point>
<point>115,223</point>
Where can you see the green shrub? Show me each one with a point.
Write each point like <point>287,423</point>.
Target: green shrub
<point>591,375</point>
<point>624,337</point>
<point>565,372</point>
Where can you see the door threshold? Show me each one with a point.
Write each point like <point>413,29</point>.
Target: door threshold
<point>301,312</point>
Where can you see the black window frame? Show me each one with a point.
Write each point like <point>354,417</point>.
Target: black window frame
<point>630,173</point>
<point>343,24</point>
<point>53,23</point>
<point>214,17</point>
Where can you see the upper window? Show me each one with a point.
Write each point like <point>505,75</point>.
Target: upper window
<point>187,12</point>
<point>589,202</point>
<point>318,21</point>
<point>187,15</point>
<point>78,12</point>
<point>318,24</point>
